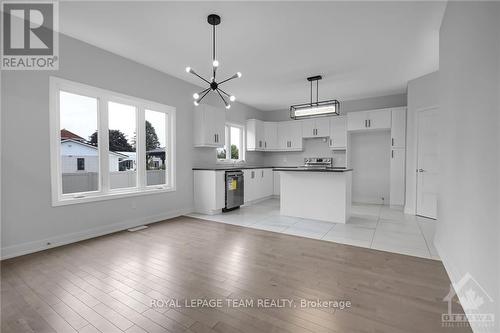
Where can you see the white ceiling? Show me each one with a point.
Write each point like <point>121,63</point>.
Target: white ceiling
<point>362,49</point>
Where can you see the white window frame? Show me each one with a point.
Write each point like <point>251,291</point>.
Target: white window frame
<point>104,191</point>
<point>227,128</point>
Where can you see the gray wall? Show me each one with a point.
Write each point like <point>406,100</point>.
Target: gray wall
<point>371,103</point>
<point>422,93</point>
<point>468,234</point>
<point>28,219</point>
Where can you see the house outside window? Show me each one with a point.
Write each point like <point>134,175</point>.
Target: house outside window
<point>80,164</point>
<point>107,145</point>
<point>234,149</point>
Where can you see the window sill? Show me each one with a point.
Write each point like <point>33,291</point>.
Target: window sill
<point>90,197</point>
<point>235,162</point>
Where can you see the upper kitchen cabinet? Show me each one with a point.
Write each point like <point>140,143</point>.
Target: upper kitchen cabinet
<point>270,135</point>
<point>338,133</point>
<point>290,135</point>
<point>209,126</point>
<point>369,120</point>
<point>255,134</point>
<point>398,128</point>
<point>315,128</point>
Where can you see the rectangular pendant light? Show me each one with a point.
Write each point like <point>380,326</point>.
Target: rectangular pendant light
<point>319,109</point>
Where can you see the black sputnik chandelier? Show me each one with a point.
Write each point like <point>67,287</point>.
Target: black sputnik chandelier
<point>213,85</point>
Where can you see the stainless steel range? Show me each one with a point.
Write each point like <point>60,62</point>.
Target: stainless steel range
<point>318,162</point>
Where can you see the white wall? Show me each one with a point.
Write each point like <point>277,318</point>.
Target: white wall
<point>370,156</point>
<point>422,94</point>
<point>468,234</point>
<point>28,219</point>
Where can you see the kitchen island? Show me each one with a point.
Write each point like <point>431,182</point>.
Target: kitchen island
<point>319,194</point>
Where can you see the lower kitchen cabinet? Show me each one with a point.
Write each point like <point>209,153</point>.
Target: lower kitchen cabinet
<point>209,191</point>
<point>259,184</point>
<point>397,181</point>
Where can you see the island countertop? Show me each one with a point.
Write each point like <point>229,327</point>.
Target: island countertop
<point>304,169</point>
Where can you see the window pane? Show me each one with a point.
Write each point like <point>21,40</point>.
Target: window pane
<point>235,143</point>
<point>122,150</point>
<point>79,152</point>
<point>222,152</point>
<point>156,154</point>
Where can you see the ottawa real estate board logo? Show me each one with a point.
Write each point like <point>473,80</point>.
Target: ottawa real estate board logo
<point>29,38</point>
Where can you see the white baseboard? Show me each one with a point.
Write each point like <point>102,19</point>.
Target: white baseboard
<point>39,245</point>
<point>455,274</point>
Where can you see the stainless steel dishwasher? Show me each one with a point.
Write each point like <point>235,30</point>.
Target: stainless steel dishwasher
<point>234,190</point>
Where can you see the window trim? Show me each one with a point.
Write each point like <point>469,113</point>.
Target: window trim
<point>227,128</point>
<point>104,192</point>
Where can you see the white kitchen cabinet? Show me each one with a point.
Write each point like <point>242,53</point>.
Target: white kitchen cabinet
<point>255,135</point>
<point>209,191</point>
<point>289,135</point>
<point>315,127</point>
<point>259,184</point>
<point>338,133</point>
<point>270,135</point>
<point>369,120</point>
<point>276,181</point>
<point>397,177</point>
<point>209,126</point>
<point>398,128</point>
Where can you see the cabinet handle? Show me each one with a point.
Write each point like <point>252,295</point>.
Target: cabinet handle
<point>392,153</point>
<point>331,142</point>
<point>366,123</point>
<point>215,137</point>
<point>369,123</point>
<point>265,144</point>
<point>392,141</point>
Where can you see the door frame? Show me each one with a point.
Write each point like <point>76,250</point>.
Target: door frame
<point>415,167</point>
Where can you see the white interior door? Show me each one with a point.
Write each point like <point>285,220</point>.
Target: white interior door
<point>427,163</point>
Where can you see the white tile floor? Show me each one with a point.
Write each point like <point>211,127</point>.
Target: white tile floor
<point>372,226</point>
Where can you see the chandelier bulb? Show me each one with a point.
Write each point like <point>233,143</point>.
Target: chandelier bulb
<point>196,96</point>
<point>238,74</point>
<point>215,63</point>
<point>232,98</point>
<point>228,106</point>
<point>196,103</point>
<point>188,69</point>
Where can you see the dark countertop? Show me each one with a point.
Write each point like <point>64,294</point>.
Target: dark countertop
<point>231,167</point>
<point>281,168</point>
<point>302,169</point>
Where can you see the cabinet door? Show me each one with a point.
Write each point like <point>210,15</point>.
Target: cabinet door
<point>398,128</point>
<point>357,120</point>
<point>249,187</point>
<point>322,126</point>
<point>295,135</point>
<point>254,134</point>
<point>397,181</point>
<point>268,183</point>
<point>308,128</point>
<point>270,135</point>
<point>284,135</point>
<point>338,132</point>
<point>379,119</point>
<point>219,126</point>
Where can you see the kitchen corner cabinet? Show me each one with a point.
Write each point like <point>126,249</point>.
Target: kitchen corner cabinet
<point>398,128</point>
<point>338,133</point>
<point>369,120</point>
<point>290,135</point>
<point>397,177</point>
<point>255,135</point>
<point>209,126</point>
<point>315,127</point>
<point>209,191</point>
<point>259,184</point>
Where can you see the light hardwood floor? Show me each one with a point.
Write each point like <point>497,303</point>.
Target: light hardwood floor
<point>106,284</point>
